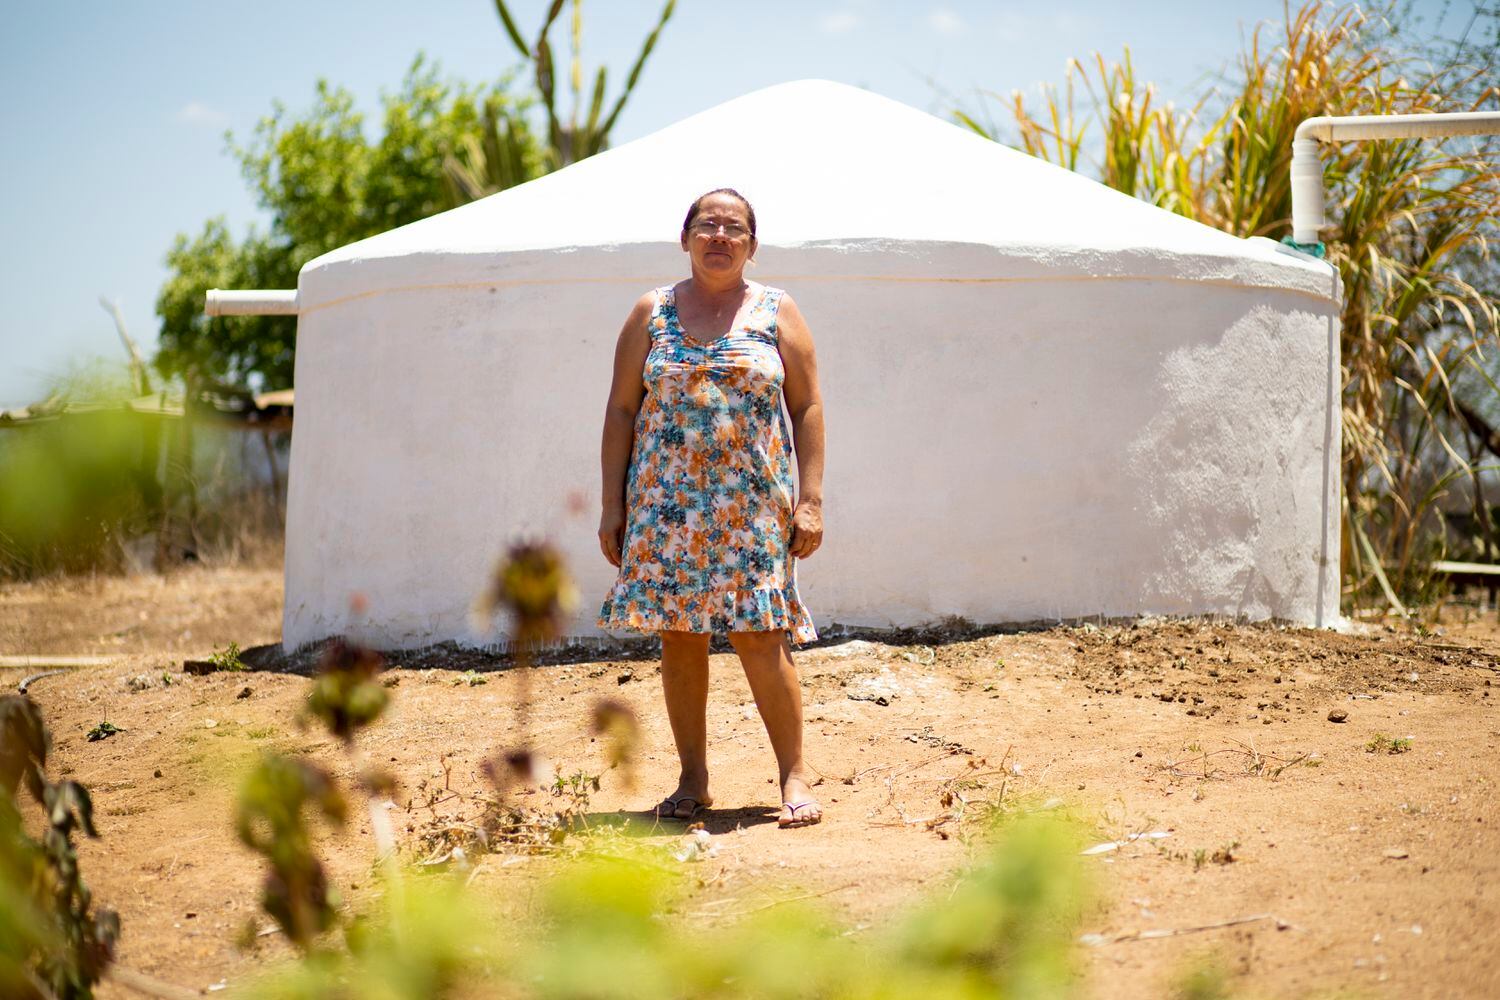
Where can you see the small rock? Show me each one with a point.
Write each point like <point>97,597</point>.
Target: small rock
<point>1338,715</point>
<point>882,690</point>
<point>625,678</point>
<point>1395,853</point>
<point>245,693</point>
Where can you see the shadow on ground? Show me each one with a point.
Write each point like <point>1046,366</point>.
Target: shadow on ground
<point>494,659</point>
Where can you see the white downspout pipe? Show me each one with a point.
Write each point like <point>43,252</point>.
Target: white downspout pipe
<point>259,302</point>
<point>1307,168</point>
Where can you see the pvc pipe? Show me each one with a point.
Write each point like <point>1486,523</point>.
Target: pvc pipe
<point>1400,126</point>
<point>1307,191</point>
<point>258,302</point>
<point>1307,168</point>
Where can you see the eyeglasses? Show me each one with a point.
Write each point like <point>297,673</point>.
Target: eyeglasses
<point>732,230</point>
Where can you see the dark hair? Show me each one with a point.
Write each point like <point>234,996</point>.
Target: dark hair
<point>693,211</point>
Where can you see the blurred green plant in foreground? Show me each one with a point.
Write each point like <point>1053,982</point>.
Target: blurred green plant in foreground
<point>617,921</point>
<point>623,927</point>
<point>270,819</point>
<point>53,944</point>
<point>533,586</point>
<point>71,490</point>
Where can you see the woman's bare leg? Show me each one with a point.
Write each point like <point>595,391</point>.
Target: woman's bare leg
<point>767,659</point>
<point>684,681</point>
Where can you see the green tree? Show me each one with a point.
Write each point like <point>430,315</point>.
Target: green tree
<point>325,183</point>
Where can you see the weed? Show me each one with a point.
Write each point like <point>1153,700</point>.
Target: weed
<point>228,658</point>
<point>534,587</point>
<point>346,696</point>
<point>1222,855</point>
<point>470,677</point>
<point>968,797</point>
<point>261,732</point>
<point>617,725</point>
<point>1380,743</point>
<point>1225,854</point>
<point>50,942</point>
<point>1256,762</point>
<point>270,820</point>
<point>103,731</point>
<point>576,786</point>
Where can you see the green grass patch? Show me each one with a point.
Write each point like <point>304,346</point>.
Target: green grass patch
<point>1380,743</point>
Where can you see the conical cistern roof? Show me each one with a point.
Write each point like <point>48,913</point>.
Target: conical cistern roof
<point>825,162</point>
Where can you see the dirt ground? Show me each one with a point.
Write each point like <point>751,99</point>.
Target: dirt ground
<point>1367,873</point>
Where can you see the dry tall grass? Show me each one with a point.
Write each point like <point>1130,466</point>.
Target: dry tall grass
<point>1411,223</point>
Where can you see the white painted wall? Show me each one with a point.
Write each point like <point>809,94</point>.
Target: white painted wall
<point>1017,428</point>
<point>1005,450</point>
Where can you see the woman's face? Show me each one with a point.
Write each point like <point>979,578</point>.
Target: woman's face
<point>718,239</point>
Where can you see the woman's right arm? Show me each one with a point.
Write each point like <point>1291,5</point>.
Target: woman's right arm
<point>625,394</point>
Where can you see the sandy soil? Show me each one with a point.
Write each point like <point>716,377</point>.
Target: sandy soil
<point>1371,872</point>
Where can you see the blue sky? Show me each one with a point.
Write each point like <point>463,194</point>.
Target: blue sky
<point>116,112</point>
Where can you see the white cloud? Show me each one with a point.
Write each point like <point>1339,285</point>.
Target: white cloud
<point>944,21</point>
<point>838,23</point>
<point>198,113</point>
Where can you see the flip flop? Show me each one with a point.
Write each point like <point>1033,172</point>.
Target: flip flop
<point>795,822</point>
<point>672,805</point>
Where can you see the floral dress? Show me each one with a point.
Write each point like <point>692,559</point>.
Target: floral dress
<point>709,496</point>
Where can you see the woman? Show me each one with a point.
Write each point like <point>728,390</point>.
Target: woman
<point>699,511</point>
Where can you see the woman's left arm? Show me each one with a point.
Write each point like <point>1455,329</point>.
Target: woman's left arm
<point>804,403</point>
